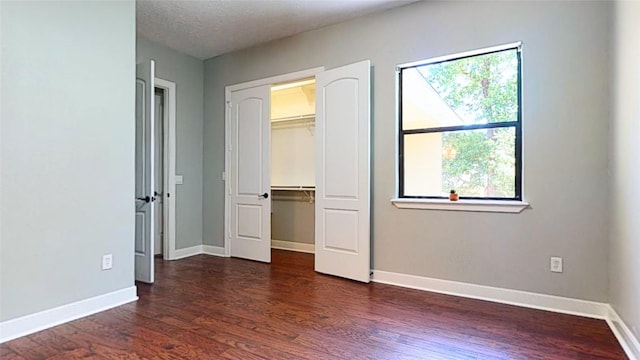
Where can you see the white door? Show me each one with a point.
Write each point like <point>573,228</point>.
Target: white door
<point>342,244</point>
<point>250,185</point>
<point>144,201</point>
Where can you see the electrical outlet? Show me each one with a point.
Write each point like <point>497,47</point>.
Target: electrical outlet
<point>107,261</point>
<point>556,264</point>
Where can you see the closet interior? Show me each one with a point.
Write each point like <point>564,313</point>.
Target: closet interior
<point>293,151</point>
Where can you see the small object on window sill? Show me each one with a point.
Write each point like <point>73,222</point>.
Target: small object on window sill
<point>453,196</point>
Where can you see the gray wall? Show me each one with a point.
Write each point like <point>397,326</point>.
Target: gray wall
<point>566,78</point>
<point>292,217</point>
<point>624,274</point>
<point>67,149</point>
<point>188,73</point>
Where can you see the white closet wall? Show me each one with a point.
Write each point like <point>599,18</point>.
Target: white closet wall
<point>292,156</point>
<point>292,218</point>
<point>292,136</point>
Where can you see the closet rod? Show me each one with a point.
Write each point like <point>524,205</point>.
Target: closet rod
<point>294,188</point>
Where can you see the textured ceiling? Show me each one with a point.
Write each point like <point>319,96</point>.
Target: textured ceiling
<point>207,28</point>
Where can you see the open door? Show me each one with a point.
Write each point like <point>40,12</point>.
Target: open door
<point>342,245</point>
<point>250,183</point>
<point>145,146</point>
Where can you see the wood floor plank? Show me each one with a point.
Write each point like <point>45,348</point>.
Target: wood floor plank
<point>206,307</point>
<point>6,353</point>
<point>11,356</point>
<point>30,349</point>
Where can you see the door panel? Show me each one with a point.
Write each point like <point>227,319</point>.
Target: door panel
<point>139,242</point>
<point>250,147</point>
<point>250,174</point>
<point>343,172</point>
<point>341,230</point>
<point>144,178</point>
<point>340,128</point>
<point>249,221</point>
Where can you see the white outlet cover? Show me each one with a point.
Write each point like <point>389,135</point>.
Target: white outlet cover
<point>555,264</point>
<point>179,180</point>
<point>107,262</point>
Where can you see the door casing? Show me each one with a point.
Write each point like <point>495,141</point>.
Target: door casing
<point>169,167</point>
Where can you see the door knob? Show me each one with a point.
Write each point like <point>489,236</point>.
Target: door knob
<point>145,199</point>
<point>264,196</point>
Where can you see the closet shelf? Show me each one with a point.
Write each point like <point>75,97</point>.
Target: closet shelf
<point>308,121</point>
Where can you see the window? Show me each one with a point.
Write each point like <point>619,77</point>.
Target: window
<point>461,126</point>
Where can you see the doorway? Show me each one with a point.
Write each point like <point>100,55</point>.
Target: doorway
<point>342,169</point>
<point>159,172</point>
<point>165,191</point>
<point>293,110</point>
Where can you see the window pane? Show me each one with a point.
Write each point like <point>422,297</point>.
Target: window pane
<point>475,90</point>
<point>475,163</point>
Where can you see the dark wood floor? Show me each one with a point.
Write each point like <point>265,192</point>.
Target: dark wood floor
<point>208,307</point>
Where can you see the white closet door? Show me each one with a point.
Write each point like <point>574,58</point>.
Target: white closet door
<point>250,189</point>
<point>144,182</point>
<point>342,245</point>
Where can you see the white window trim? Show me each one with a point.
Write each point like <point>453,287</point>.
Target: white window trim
<point>471,205</point>
<point>498,206</point>
<point>491,49</point>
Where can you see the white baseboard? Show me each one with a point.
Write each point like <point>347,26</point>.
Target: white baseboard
<point>198,250</point>
<point>558,304</point>
<point>213,250</point>
<point>293,246</point>
<point>29,324</point>
<point>625,336</point>
<point>186,252</point>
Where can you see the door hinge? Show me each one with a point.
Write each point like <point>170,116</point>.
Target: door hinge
<point>224,176</point>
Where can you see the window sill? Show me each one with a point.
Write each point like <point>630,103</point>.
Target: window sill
<point>499,206</point>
